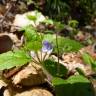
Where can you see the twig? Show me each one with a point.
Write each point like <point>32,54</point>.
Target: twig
<point>11,4</point>
<point>6,14</point>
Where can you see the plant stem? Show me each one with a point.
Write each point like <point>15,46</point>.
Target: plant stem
<point>44,56</point>
<point>35,61</point>
<point>58,66</point>
<point>38,57</point>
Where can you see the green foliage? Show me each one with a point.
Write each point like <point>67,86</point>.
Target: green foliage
<point>80,71</point>
<point>51,67</point>
<point>64,44</point>
<point>30,33</point>
<point>58,9</point>
<point>48,21</point>
<point>59,26</point>
<point>68,45</point>
<point>89,60</point>
<point>13,59</point>
<point>88,9</point>
<point>93,65</point>
<point>35,16</point>
<point>33,39</point>
<point>81,10</point>
<point>30,17</point>
<point>73,23</point>
<point>29,1</point>
<point>49,37</point>
<point>33,45</point>
<point>73,86</point>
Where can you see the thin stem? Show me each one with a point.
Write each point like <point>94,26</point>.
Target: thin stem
<point>44,56</point>
<point>41,44</point>
<point>35,61</point>
<point>2,20</point>
<point>41,57</point>
<point>38,57</point>
<point>6,14</point>
<point>58,66</point>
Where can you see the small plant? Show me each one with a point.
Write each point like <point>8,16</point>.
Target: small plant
<point>89,60</point>
<point>37,48</point>
<point>73,24</point>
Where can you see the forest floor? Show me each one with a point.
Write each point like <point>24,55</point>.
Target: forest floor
<point>30,80</point>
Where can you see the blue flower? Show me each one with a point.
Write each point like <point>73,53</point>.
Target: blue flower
<point>47,47</point>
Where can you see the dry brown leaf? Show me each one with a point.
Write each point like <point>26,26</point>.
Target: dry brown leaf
<point>10,72</point>
<point>2,9</point>
<point>72,61</point>
<point>31,75</point>
<point>70,57</point>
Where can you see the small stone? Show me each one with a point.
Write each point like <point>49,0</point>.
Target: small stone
<point>6,43</point>
<point>35,92</point>
<point>22,20</point>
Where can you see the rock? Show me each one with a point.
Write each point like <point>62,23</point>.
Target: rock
<point>6,43</point>
<point>35,92</point>
<point>22,20</point>
<point>31,75</point>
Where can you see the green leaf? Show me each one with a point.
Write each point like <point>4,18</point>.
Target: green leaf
<point>51,67</point>
<point>49,37</point>
<point>73,23</point>
<point>30,33</point>
<point>87,58</point>
<point>94,66</point>
<point>48,21</point>
<point>68,45</point>
<point>13,59</point>
<point>80,71</point>
<point>64,44</point>
<point>59,26</point>
<point>73,86</point>
<point>30,17</point>
<point>33,45</point>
